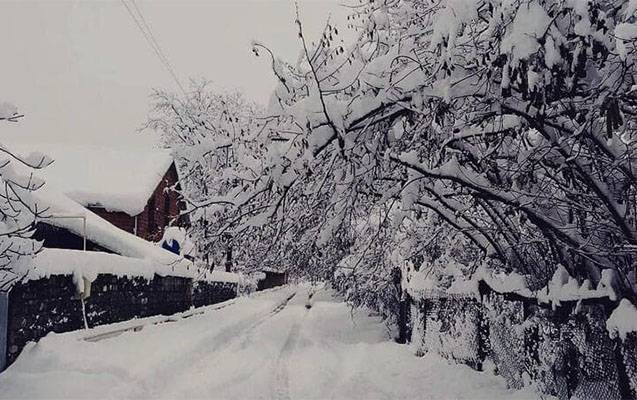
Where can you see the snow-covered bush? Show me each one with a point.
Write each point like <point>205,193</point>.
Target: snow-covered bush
<point>18,210</point>
<point>453,330</point>
<point>565,352</point>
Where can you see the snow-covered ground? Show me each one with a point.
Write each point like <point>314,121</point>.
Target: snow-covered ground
<point>267,346</point>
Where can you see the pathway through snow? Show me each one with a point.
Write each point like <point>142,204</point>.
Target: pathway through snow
<point>268,346</point>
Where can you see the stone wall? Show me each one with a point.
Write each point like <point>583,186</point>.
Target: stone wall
<point>38,307</point>
<point>115,299</point>
<point>205,293</point>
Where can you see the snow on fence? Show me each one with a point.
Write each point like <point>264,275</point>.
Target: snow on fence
<point>68,289</point>
<point>573,350</point>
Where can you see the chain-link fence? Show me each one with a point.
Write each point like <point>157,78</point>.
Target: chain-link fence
<point>564,352</point>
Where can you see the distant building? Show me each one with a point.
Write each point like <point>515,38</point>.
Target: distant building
<point>272,278</point>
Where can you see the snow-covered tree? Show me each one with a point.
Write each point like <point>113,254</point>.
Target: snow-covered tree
<point>18,210</point>
<point>505,125</point>
<point>217,141</point>
<point>510,121</point>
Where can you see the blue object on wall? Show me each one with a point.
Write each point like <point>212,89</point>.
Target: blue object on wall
<point>4,321</point>
<point>172,247</point>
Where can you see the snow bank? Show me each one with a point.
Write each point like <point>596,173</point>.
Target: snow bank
<point>623,320</point>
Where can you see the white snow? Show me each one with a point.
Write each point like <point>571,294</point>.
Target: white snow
<point>422,282</point>
<point>98,230</point>
<point>529,24</point>
<point>219,276</point>
<point>88,264</point>
<point>257,347</point>
<point>504,283</point>
<point>562,286</point>
<point>623,320</point>
<point>630,9</point>
<point>624,32</point>
<point>117,179</point>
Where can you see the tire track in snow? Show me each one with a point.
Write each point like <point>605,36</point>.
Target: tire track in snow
<point>102,332</point>
<point>282,366</point>
<point>212,344</point>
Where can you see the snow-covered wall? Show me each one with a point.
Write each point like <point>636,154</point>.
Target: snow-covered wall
<point>115,289</point>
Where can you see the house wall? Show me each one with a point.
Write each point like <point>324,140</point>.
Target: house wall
<point>118,218</point>
<point>162,209</point>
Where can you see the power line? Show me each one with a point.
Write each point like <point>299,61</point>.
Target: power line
<point>153,43</point>
<point>150,39</point>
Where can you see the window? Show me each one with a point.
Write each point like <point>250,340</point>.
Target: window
<point>166,209</point>
<point>152,225</point>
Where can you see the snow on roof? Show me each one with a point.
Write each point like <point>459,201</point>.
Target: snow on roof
<point>219,276</point>
<point>52,203</point>
<point>117,179</point>
<point>98,230</point>
<point>150,257</point>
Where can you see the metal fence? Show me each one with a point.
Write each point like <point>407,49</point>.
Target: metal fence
<point>564,352</point>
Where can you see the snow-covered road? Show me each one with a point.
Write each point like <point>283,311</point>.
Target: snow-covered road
<point>267,346</point>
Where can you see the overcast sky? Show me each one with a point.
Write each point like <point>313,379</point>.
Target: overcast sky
<point>82,71</point>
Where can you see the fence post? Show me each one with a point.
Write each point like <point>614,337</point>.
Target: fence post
<point>4,326</point>
<point>404,319</point>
